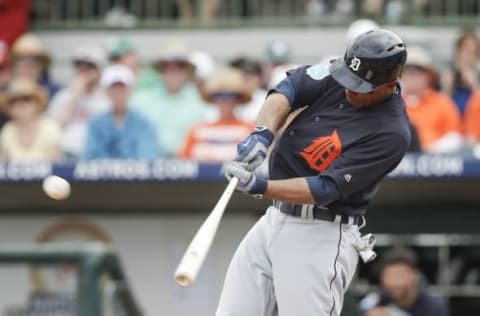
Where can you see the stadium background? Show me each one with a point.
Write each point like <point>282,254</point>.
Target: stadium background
<point>430,203</point>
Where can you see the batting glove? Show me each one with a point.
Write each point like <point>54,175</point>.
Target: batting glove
<point>253,150</point>
<point>248,182</point>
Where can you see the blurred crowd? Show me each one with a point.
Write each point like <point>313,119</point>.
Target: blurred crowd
<point>187,105</point>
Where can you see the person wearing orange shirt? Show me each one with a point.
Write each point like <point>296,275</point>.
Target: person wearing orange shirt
<point>217,141</point>
<point>472,119</point>
<point>433,113</point>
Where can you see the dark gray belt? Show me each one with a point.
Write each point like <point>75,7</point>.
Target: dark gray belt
<point>315,212</point>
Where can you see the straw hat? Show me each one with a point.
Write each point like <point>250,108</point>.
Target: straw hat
<point>90,53</point>
<point>174,51</point>
<point>20,87</point>
<point>30,45</point>
<point>419,57</point>
<point>228,80</point>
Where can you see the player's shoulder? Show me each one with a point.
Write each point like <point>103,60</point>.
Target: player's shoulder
<point>312,81</point>
<point>313,73</point>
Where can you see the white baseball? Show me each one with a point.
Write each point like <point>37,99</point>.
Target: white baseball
<point>57,188</point>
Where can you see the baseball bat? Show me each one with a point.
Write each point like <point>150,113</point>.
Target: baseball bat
<point>192,260</point>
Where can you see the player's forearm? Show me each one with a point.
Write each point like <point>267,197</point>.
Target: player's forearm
<point>294,190</point>
<point>274,112</point>
<point>318,190</point>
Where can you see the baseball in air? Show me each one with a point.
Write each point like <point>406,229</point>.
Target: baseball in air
<point>56,188</point>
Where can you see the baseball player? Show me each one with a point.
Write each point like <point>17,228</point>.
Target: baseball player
<point>300,257</point>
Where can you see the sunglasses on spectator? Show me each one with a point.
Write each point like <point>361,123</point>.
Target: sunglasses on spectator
<point>20,100</point>
<point>226,96</point>
<point>416,68</point>
<point>28,59</point>
<point>82,64</point>
<point>174,64</point>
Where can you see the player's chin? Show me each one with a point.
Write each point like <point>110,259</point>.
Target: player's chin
<point>360,100</point>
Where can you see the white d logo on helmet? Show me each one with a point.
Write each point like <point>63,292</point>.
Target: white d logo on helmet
<point>355,63</point>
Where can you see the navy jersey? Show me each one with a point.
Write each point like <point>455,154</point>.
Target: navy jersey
<point>355,147</point>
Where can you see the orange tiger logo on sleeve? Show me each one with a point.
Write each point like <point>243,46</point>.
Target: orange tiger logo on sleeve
<point>322,151</point>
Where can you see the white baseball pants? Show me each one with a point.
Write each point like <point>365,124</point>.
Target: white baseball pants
<point>291,266</point>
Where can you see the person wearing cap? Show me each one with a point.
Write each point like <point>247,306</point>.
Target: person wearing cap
<point>324,170</point>
<point>174,104</point>
<point>121,51</point>
<point>29,135</point>
<point>403,291</point>
<point>74,105</point>
<point>120,133</point>
<point>278,57</point>
<point>29,59</point>
<point>463,78</point>
<point>253,79</point>
<point>217,141</point>
<point>433,113</point>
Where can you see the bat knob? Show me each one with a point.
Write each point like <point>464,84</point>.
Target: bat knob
<point>183,280</point>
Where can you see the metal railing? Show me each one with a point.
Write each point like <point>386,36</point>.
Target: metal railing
<point>86,14</point>
<point>93,260</point>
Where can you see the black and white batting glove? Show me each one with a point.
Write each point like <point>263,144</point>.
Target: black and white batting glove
<point>248,182</point>
<point>253,150</point>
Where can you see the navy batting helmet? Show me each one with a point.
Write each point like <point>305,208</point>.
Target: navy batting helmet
<point>371,60</point>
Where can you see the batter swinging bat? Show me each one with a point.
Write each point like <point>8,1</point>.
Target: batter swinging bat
<point>196,252</point>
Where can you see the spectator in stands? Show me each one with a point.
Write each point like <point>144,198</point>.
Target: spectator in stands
<point>253,79</point>
<point>174,104</point>
<point>188,10</point>
<point>403,291</point>
<point>120,133</point>
<point>73,106</point>
<point>121,51</point>
<point>373,8</point>
<point>463,79</point>
<point>278,54</point>
<point>433,114</point>
<point>217,141</point>
<point>472,119</point>
<point>4,78</point>
<point>359,27</point>
<point>29,135</point>
<point>204,66</point>
<point>29,59</point>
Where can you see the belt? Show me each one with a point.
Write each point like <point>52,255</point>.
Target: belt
<point>316,212</point>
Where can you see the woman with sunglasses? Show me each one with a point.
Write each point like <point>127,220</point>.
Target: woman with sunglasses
<point>29,135</point>
<point>29,59</point>
<point>217,141</point>
<point>73,106</point>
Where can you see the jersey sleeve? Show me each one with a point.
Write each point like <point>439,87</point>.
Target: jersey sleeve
<point>365,164</point>
<point>303,85</point>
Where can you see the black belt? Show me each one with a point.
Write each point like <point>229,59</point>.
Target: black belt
<point>316,212</point>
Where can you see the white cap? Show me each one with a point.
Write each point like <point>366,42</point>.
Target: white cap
<point>117,74</point>
<point>359,27</point>
<point>92,54</point>
<point>203,62</point>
